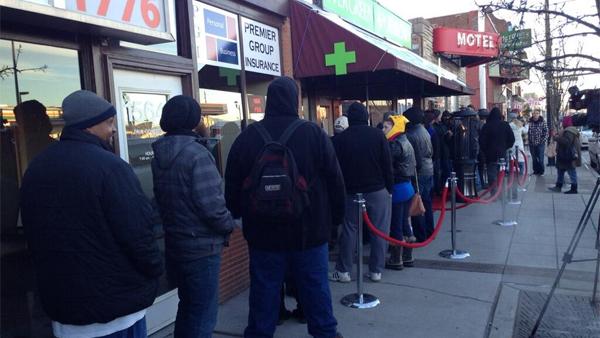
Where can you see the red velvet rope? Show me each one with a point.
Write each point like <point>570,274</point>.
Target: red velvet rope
<point>525,175</point>
<point>489,200</point>
<point>402,243</point>
<point>511,166</point>
<point>492,186</point>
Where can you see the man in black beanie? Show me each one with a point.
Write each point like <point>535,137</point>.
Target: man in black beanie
<point>422,225</point>
<point>298,244</point>
<point>89,228</point>
<point>366,162</point>
<point>197,224</point>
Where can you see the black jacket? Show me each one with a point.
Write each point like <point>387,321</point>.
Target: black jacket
<point>364,155</point>
<point>89,231</point>
<point>316,161</point>
<point>188,190</point>
<point>403,159</point>
<point>496,137</point>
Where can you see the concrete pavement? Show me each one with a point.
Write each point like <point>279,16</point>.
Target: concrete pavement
<point>492,294</point>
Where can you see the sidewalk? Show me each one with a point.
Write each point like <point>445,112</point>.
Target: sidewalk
<point>495,293</point>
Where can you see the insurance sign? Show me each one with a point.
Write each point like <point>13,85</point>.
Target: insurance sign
<point>261,48</point>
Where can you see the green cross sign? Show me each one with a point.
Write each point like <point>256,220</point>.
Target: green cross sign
<point>340,58</point>
<point>230,74</point>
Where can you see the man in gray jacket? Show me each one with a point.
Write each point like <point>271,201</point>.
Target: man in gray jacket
<point>188,190</point>
<point>422,225</point>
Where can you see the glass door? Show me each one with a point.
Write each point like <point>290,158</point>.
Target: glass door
<point>140,97</point>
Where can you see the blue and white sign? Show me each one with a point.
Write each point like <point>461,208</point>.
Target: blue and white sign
<point>217,41</point>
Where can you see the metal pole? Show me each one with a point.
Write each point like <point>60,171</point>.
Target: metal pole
<point>453,253</point>
<point>568,256</point>
<point>359,300</point>
<point>513,189</point>
<point>504,222</point>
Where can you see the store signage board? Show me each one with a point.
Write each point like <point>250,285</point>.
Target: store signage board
<point>359,12</point>
<point>139,21</point>
<point>216,32</point>
<point>373,17</point>
<point>261,47</point>
<point>516,40</point>
<point>392,27</point>
<point>465,42</point>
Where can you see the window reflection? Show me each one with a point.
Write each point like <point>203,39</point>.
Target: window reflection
<point>45,76</point>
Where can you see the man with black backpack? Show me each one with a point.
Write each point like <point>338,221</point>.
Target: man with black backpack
<point>284,181</point>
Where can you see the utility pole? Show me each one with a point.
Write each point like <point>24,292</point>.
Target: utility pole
<point>549,78</point>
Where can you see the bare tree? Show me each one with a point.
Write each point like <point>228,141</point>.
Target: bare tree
<point>6,70</point>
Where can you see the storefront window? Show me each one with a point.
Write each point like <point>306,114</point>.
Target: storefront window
<point>30,104</point>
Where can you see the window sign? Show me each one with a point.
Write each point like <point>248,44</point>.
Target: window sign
<point>143,13</point>
<point>216,37</point>
<point>261,47</point>
<point>142,112</point>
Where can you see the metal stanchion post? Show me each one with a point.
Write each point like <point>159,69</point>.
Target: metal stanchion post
<point>513,189</point>
<point>359,299</point>
<point>453,253</point>
<point>524,170</point>
<point>504,222</point>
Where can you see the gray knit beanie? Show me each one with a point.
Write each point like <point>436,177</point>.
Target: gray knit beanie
<point>83,109</point>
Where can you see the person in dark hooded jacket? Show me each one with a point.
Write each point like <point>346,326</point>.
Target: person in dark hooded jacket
<point>188,192</point>
<point>495,139</point>
<point>300,245</point>
<point>367,166</point>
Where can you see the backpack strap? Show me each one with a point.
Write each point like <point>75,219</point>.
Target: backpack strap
<point>287,133</point>
<point>262,131</point>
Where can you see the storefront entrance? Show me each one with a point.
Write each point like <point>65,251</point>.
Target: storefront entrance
<point>139,98</point>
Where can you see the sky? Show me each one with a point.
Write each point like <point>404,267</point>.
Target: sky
<point>435,8</point>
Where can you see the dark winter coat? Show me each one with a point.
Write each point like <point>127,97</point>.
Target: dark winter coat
<point>425,149</point>
<point>364,155</point>
<point>567,139</point>
<point>403,159</point>
<point>188,190</point>
<point>316,161</point>
<point>496,137</point>
<point>89,231</point>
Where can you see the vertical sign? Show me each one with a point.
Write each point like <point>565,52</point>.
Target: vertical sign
<point>216,33</point>
<point>261,47</point>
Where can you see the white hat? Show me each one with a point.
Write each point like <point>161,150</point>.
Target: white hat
<point>341,123</point>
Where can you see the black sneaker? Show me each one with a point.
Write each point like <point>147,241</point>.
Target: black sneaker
<point>283,316</point>
<point>298,314</point>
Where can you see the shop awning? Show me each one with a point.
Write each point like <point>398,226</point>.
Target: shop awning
<point>326,45</point>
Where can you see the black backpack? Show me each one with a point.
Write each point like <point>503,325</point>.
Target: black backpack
<point>275,192</point>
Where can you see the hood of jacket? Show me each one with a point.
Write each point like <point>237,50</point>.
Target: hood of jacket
<point>398,128</point>
<point>282,98</point>
<point>572,130</point>
<point>357,114</point>
<point>495,115</point>
<point>167,148</point>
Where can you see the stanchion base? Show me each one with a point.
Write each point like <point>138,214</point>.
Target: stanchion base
<point>353,300</point>
<point>505,224</point>
<point>516,202</point>
<point>454,254</point>
<point>522,189</point>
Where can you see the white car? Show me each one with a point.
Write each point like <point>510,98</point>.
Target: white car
<point>585,134</point>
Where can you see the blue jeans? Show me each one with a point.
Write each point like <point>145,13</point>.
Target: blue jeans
<point>198,283</point>
<point>400,227</point>
<point>423,225</point>
<point>561,175</point>
<point>137,330</point>
<point>537,158</point>
<point>309,271</point>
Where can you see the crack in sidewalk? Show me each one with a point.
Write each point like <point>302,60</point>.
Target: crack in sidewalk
<point>439,292</point>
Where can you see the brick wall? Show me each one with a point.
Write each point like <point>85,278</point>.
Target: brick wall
<point>234,276</point>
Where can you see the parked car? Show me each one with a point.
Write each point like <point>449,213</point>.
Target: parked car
<point>593,149</point>
<point>585,134</point>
